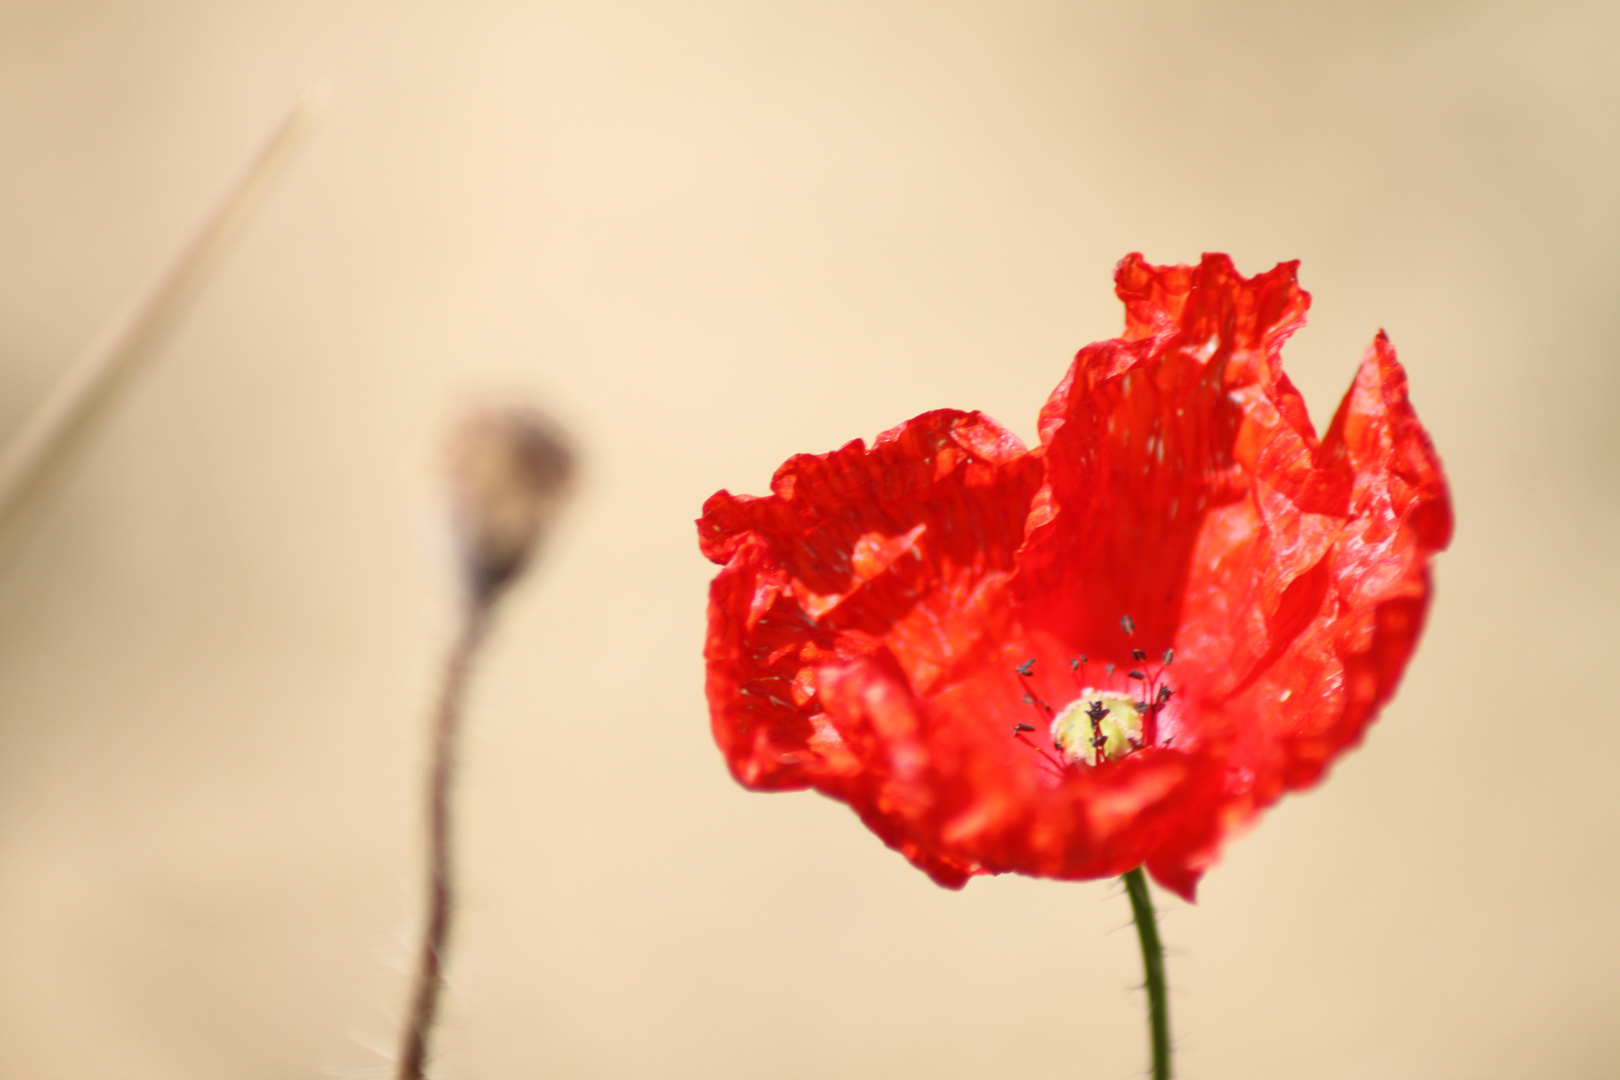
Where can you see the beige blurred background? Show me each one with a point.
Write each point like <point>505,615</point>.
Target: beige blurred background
<point>707,236</point>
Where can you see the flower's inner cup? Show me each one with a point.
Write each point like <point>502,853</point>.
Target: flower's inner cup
<point>1099,724</point>
<point>1098,720</point>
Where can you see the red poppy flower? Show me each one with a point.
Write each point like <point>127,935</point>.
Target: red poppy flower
<point>1108,651</point>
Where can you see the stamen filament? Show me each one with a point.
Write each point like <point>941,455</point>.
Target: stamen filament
<point>1046,756</point>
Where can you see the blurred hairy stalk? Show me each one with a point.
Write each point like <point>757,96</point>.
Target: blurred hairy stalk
<point>509,473</point>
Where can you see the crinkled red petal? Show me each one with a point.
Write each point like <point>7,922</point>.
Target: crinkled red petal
<point>901,550</point>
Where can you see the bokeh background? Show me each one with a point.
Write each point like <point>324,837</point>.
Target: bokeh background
<point>707,236</point>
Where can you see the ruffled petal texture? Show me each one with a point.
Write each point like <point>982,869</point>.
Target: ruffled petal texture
<point>888,616</point>
<point>867,577</point>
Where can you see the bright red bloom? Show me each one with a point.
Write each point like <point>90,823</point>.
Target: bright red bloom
<point>901,626</point>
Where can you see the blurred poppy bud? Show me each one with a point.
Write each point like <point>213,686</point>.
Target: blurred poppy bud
<point>510,470</point>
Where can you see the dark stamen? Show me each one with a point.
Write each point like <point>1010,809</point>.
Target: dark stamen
<point>1169,655</point>
<point>1019,729</point>
<point>1109,670</point>
<point>1150,713</point>
<point>1077,670</point>
<point>1138,655</point>
<point>1127,624</point>
<point>1136,675</point>
<point>1024,671</point>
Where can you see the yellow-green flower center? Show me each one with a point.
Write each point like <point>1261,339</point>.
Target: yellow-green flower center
<point>1097,720</point>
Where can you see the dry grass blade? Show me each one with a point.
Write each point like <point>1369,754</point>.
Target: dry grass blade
<point>38,455</point>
